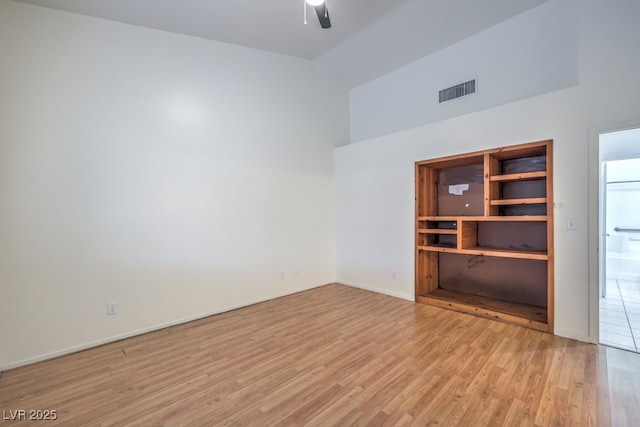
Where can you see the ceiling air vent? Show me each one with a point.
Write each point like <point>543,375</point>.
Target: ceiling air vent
<point>457,91</point>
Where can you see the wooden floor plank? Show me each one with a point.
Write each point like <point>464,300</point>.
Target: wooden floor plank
<point>334,355</point>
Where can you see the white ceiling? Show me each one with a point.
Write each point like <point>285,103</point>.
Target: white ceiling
<point>368,38</point>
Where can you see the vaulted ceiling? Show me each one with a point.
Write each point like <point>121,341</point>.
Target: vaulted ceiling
<point>368,38</point>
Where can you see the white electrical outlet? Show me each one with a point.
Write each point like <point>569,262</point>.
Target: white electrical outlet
<point>571,224</point>
<point>297,271</point>
<point>394,275</point>
<point>282,274</point>
<point>112,308</point>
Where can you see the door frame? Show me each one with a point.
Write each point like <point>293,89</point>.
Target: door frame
<point>602,229</point>
<point>596,230</point>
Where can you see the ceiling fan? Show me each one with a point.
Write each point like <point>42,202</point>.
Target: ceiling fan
<point>321,10</point>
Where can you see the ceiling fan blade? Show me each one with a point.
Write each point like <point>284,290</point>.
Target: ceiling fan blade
<point>323,15</point>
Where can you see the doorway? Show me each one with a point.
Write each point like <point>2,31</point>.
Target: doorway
<point>619,299</point>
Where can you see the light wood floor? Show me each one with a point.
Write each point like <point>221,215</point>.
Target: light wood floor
<point>335,355</point>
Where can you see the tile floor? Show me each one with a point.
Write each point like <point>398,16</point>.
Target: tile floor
<point>620,315</point>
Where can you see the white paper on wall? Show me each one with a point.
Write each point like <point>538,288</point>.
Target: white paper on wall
<point>459,189</point>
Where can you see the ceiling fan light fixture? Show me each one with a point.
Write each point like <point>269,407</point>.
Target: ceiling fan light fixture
<point>321,9</point>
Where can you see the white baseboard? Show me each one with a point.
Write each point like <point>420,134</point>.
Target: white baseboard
<point>377,290</point>
<point>75,349</point>
<point>558,332</point>
<point>86,346</point>
<point>574,336</point>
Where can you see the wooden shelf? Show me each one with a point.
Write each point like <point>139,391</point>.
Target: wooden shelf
<point>497,218</point>
<point>528,201</point>
<point>505,253</point>
<point>506,311</point>
<point>455,161</point>
<point>518,151</point>
<point>438,248</point>
<point>519,176</point>
<point>437,231</point>
<point>483,249</point>
<point>518,218</point>
<point>442,218</point>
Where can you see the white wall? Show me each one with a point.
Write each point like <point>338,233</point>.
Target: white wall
<point>619,145</point>
<point>175,175</point>
<point>374,178</point>
<point>624,170</point>
<point>410,30</point>
<point>531,54</point>
<point>623,205</point>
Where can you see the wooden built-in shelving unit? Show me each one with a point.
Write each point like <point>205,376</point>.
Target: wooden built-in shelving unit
<point>484,234</point>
